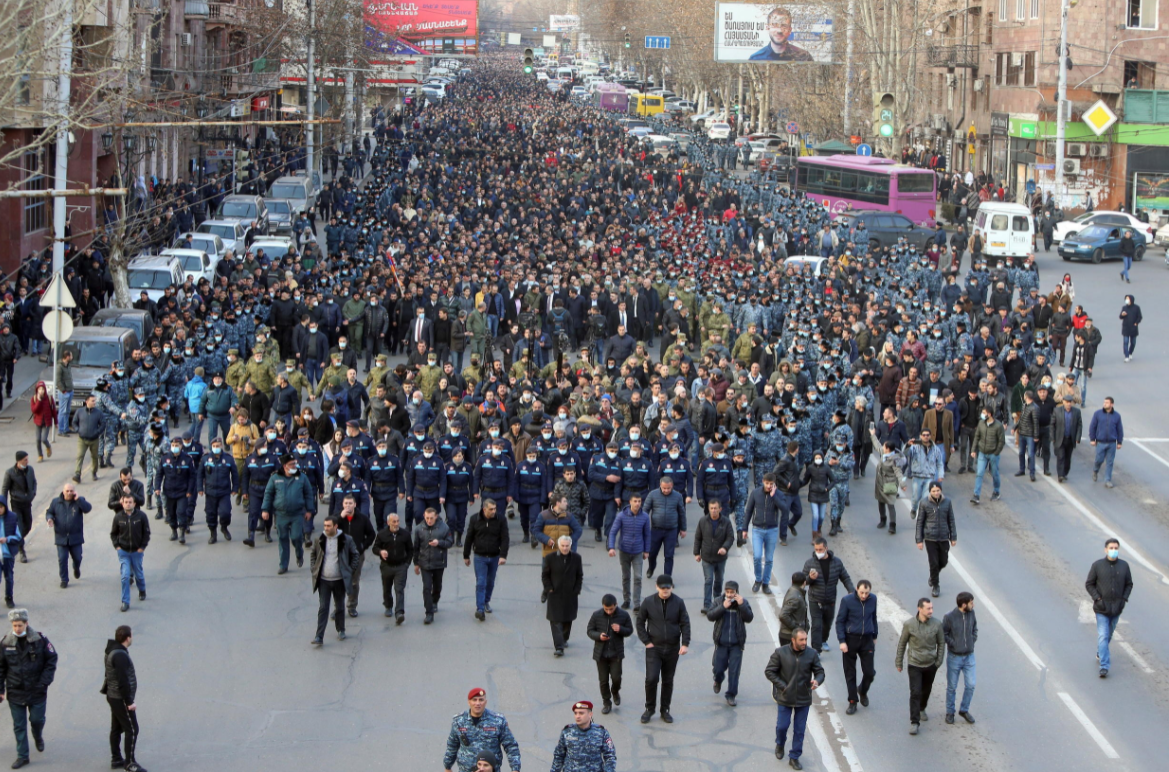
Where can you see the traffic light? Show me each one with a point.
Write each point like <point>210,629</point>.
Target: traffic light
<point>529,62</point>
<point>627,40</point>
<point>883,116</point>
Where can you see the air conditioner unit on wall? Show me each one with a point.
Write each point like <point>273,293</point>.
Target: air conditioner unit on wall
<point>1071,166</point>
<point>186,39</point>
<point>1075,150</point>
<point>1098,150</point>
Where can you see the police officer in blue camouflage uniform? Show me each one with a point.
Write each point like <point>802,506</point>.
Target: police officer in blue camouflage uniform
<point>715,478</point>
<point>840,463</point>
<point>218,479</point>
<point>741,489</point>
<point>258,467</point>
<point>135,419</point>
<point>311,464</point>
<point>147,377</point>
<point>174,380</point>
<point>156,444</point>
<point>478,729</point>
<point>177,483</point>
<point>767,446</point>
<point>584,746</point>
<point>112,412</point>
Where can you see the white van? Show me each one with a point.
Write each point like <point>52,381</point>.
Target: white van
<point>1008,231</point>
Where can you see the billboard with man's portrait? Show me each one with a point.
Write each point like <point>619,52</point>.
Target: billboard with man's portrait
<point>770,32</point>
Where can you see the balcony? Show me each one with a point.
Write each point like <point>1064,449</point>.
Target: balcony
<point>197,9</point>
<point>1143,105</point>
<point>223,14</point>
<point>952,57</point>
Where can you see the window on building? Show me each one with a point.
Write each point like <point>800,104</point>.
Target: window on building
<point>1029,68</point>
<point>1002,10</point>
<point>24,80</point>
<point>36,210</point>
<point>1000,68</point>
<point>1142,14</point>
<point>1034,9</point>
<point>1020,9</point>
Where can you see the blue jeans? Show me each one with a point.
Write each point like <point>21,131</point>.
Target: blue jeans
<point>8,564</point>
<point>763,542</point>
<point>485,569</point>
<point>712,574</point>
<point>312,371</point>
<point>1106,455</point>
<point>818,513</point>
<point>983,462</point>
<point>1130,345</point>
<point>196,429</point>
<point>659,537</point>
<point>784,720</point>
<point>728,660</point>
<point>1027,455</point>
<point>63,555</point>
<point>789,506</point>
<point>22,716</point>
<point>959,664</point>
<point>919,488</point>
<point>1127,266</point>
<point>131,562</point>
<point>1105,627</point>
<point>1083,386</point>
<point>63,400</point>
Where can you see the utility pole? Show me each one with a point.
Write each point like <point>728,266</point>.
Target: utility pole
<point>311,134</point>
<point>1061,97</point>
<point>61,171</point>
<point>349,107</point>
<point>848,68</point>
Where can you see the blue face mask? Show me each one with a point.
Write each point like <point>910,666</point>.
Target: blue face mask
<point>381,451</point>
<point>1113,554</point>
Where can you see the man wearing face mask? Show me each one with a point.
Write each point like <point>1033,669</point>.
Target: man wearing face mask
<point>28,664</point>
<point>494,475</point>
<point>425,484</point>
<point>936,532</point>
<point>176,486</point>
<point>1109,585</point>
<point>714,478</point>
<point>824,570</point>
<point>259,466</point>
<point>217,480</point>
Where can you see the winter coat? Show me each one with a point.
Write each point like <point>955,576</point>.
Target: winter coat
<point>713,535</point>
<point>794,612</point>
<point>961,631</point>
<point>44,411</point>
<point>562,577</point>
<point>935,521</point>
<point>888,473</point>
<point>130,531</point>
<point>20,485</point>
<point>425,556</point>
<point>1130,317</point>
<point>347,557</point>
<point>121,682</point>
<point>634,531</point>
<point>27,667</point>
<point>601,623</point>
<point>923,642</point>
<point>791,673</point>
<point>1109,585</point>
<point>823,588</point>
<point>990,439</point>
<point>68,520</point>
<point>819,482</point>
<point>718,614</point>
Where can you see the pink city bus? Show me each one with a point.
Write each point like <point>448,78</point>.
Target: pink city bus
<point>849,182</point>
<point>611,97</point>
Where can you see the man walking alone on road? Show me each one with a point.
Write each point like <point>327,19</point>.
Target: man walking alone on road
<point>922,638</point>
<point>936,532</point>
<point>856,629</point>
<point>664,627</point>
<point>130,534</point>
<point>120,688</point>
<point>28,663</point>
<point>960,627</point>
<point>1106,433</point>
<point>1109,585</point>
<point>794,671</point>
<point>608,627</point>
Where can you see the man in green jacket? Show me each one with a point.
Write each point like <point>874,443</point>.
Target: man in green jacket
<point>477,330</point>
<point>989,440</point>
<point>922,637</point>
<point>353,314</point>
<point>289,496</point>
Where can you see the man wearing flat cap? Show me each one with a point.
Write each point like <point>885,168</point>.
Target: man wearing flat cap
<point>28,663</point>
<point>477,730</point>
<point>584,746</point>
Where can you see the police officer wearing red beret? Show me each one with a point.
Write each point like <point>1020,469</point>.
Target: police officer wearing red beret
<point>584,746</point>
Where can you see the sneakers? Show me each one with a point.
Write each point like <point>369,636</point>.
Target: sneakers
<point>1109,484</point>
<point>1103,673</point>
<point>923,716</point>
<point>975,500</point>
<point>913,728</point>
<point>995,496</point>
<point>731,700</point>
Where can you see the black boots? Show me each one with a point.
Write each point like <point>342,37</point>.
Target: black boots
<point>251,540</point>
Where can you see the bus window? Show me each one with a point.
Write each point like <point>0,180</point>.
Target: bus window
<point>815,177</point>
<point>915,183</point>
<point>831,179</point>
<point>848,182</point>
<point>883,185</point>
<point>1020,224</point>
<point>998,222</point>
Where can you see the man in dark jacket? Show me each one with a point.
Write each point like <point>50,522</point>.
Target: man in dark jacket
<point>793,614</point>
<point>334,558</point>
<point>395,546</point>
<point>730,618</point>
<point>960,627</point>
<point>824,570</point>
<point>487,537</point>
<point>90,423</point>
<point>121,688</point>
<point>936,532</point>
<point>1109,585</point>
<point>1027,435</point>
<point>856,630</point>
<point>1067,428</point>
<point>28,663</point>
<point>20,488</point>
<point>130,533</point>
<point>767,512</point>
<point>664,627</point>
<point>562,575</point>
<point>712,540</point>
<point>432,538</point>
<point>123,485</point>
<point>794,671</point>
<point>66,516</point>
<point>608,627</point>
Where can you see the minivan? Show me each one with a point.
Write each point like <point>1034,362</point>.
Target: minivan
<point>1008,231</point>
<point>153,274</point>
<point>95,349</point>
<point>299,190</point>
<point>245,208</point>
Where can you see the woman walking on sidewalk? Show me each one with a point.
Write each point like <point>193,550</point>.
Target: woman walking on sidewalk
<point>44,416</point>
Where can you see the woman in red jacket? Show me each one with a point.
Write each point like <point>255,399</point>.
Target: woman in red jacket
<point>44,415</point>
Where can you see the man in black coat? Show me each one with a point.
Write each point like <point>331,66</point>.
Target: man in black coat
<point>20,488</point>
<point>1109,585</point>
<point>28,663</point>
<point>562,575</point>
<point>795,672</point>
<point>664,627</point>
<point>130,533</point>
<point>609,626</point>
<point>1067,428</point>
<point>824,570</point>
<point>730,617</point>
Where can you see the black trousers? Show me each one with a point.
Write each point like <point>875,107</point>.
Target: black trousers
<point>560,633</point>
<point>394,581</point>
<point>921,683</point>
<point>1063,458</point>
<point>123,730</point>
<point>333,589</point>
<point>822,616</point>
<point>660,665</point>
<point>431,588</point>
<point>609,673</point>
<point>862,647</point>
<point>23,510</point>
<point>939,556</point>
<point>1043,448</point>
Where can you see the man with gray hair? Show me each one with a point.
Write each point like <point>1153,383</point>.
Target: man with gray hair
<point>28,663</point>
<point>563,576</point>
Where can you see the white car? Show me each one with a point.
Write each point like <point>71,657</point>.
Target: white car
<point>275,247</point>
<point>706,115</point>
<point>208,242</point>
<point>1122,219</point>
<point>196,263</point>
<point>1161,238</point>
<point>799,261</point>
<point>234,234</point>
<point>679,106</point>
<point>719,130</point>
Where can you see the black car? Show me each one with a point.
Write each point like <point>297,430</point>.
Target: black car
<point>884,228</point>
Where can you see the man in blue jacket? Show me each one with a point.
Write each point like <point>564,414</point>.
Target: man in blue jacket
<point>218,479</point>
<point>632,527</point>
<point>1107,435</point>
<point>178,482</point>
<point>667,518</point>
<point>66,516</point>
<point>856,629</point>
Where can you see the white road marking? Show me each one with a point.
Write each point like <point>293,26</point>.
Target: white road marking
<point>1141,444</point>
<point>1089,727</point>
<point>1088,617</point>
<point>815,727</point>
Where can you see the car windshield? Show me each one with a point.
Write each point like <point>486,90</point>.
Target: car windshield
<point>1092,233</point>
<point>93,353</point>
<point>222,231</point>
<point>272,251</point>
<point>286,190</point>
<point>237,209</point>
<point>193,263</point>
<point>1084,217</point>
<point>279,207</point>
<point>148,279</point>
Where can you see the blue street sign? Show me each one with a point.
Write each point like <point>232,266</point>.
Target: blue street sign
<point>657,41</point>
<point>863,149</point>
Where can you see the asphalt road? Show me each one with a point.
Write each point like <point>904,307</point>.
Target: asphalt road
<point>228,678</point>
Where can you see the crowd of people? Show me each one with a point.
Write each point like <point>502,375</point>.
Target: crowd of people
<point>595,336</point>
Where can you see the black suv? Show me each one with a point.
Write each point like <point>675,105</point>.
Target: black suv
<point>884,228</point>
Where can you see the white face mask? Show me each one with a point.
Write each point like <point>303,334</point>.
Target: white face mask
<point>819,461</point>
<point>821,555</point>
<point>428,453</point>
<point>674,454</point>
<point>496,451</point>
<point>635,454</point>
<point>611,454</point>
